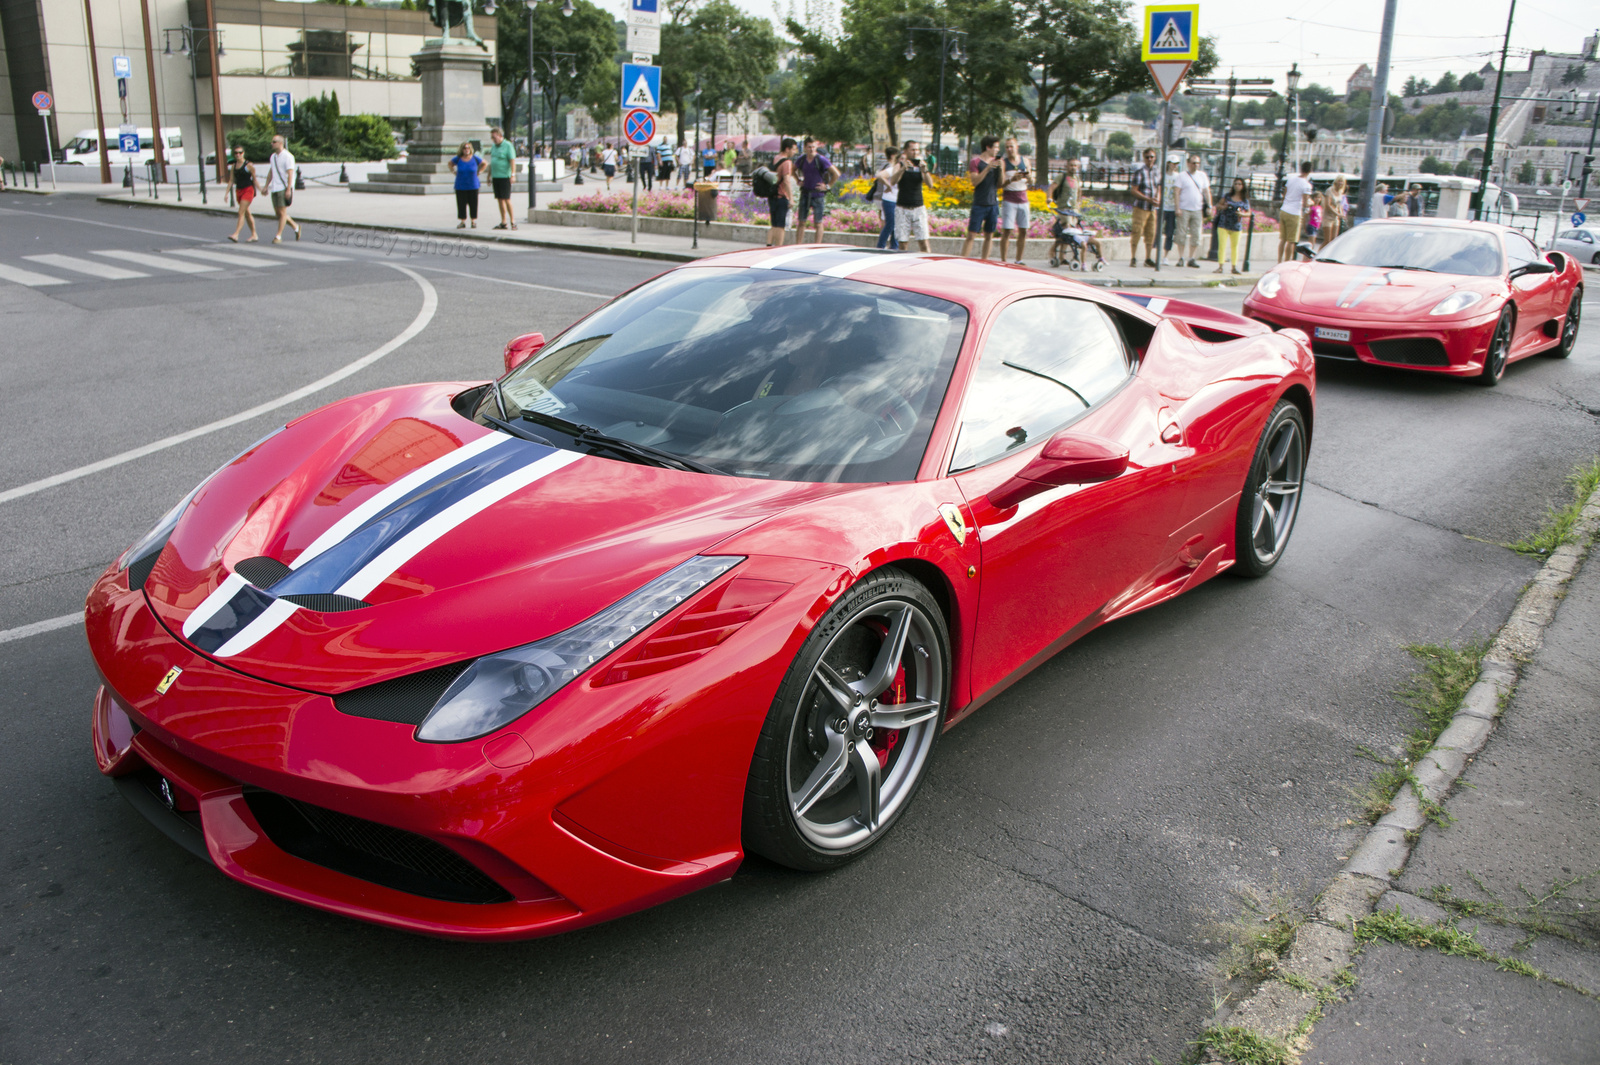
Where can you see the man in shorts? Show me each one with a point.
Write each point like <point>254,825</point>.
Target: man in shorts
<point>1142,185</point>
<point>1015,180</point>
<point>817,175</point>
<point>778,203</point>
<point>280,186</point>
<point>984,173</point>
<point>1295,192</point>
<point>1194,203</point>
<point>910,176</point>
<point>502,163</point>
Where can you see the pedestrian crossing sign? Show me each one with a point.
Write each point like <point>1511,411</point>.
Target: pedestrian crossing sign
<point>1172,32</point>
<point>641,87</point>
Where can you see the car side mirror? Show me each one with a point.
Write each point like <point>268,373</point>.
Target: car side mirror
<point>1068,458</point>
<point>1534,268</point>
<point>522,349</point>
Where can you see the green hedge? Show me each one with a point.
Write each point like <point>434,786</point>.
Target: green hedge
<point>320,134</point>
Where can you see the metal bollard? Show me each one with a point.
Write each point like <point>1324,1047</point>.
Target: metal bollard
<point>177,178</point>
<point>1250,238</point>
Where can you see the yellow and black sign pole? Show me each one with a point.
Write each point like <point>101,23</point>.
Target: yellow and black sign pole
<point>1171,41</point>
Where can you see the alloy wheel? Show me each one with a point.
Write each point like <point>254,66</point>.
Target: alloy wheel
<point>1277,496</point>
<point>1569,328</point>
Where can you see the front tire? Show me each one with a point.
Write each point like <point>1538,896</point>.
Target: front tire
<point>850,733</point>
<point>1271,498</point>
<point>1494,360</point>
<point>1569,326</point>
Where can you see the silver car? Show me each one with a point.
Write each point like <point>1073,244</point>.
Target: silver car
<point>1582,243</point>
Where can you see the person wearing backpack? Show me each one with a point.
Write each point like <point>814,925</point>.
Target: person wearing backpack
<point>780,180</point>
<point>884,185</point>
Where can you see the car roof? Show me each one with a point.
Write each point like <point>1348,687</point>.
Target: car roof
<point>1444,223</point>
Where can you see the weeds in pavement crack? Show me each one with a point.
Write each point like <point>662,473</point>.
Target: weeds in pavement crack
<point>1535,917</point>
<point>1244,1047</point>
<point>1395,927</point>
<point>1260,937</point>
<point>1559,524</point>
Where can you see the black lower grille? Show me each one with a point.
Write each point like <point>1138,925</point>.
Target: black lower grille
<point>405,700</point>
<point>369,851</point>
<point>1411,351</point>
<point>1329,350</point>
<point>139,569</point>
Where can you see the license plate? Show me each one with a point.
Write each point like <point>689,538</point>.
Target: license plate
<point>1324,333</point>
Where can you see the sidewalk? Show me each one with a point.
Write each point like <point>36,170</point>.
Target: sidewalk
<point>1518,869</point>
<point>434,215</point>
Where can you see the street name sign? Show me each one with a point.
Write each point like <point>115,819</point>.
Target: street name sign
<point>1171,43</point>
<point>644,13</point>
<point>641,87</point>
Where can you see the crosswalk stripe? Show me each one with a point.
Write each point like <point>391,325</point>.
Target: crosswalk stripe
<point>28,277</point>
<point>226,258</point>
<point>295,253</point>
<point>86,266</point>
<point>159,262</point>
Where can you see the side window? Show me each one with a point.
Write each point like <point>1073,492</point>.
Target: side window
<point>1521,251</point>
<point>175,140</point>
<point>1047,360</point>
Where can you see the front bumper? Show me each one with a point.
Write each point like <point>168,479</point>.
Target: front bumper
<point>1448,347</point>
<point>618,797</point>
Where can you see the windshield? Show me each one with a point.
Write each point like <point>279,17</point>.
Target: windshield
<point>1437,248</point>
<point>760,373</point>
<point>80,144</point>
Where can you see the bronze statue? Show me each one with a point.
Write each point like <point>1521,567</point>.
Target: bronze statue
<point>445,13</point>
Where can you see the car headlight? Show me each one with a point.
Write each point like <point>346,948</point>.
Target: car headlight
<point>1269,285</point>
<point>1456,301</point>
<point>499,688</point>
<point>151,543</point>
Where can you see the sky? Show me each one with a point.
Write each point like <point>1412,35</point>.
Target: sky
<point>1330,38</point>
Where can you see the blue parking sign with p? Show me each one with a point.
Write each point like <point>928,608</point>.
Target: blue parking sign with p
<point>282,107</point>
<point>645,5</point>
<point>128,143</point>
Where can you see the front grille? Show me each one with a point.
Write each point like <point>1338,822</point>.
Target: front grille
<point>261,571</point>
<point>1411,351</point>
<point>380,854</point>
<point>326,602</point>
<point>1330,350</point>
<point>405,700</point>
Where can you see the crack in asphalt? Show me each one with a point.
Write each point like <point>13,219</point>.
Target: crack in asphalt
<point>1395,513</point>
<point>91,568</point>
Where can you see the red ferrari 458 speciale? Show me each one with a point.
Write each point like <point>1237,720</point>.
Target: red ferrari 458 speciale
<point>708,573</point>
<point>1451,297</point>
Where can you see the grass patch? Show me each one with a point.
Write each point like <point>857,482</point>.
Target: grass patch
<point>1434,694</point>
<point>1260,937</point>
<point>1559,523</point>
<point>1245,1047</point>
<point>1537,914</point>
<point>1395,927</point>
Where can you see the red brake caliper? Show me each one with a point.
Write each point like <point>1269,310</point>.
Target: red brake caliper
<point>884,740</point>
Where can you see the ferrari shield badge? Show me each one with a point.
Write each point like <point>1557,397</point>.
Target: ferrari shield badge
<point>953,519</point>
<point>167,681</point>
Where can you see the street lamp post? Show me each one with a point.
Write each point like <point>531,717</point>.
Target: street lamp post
<point>1291,81</point>
<point>946,50</point>
<point>189,45</point>
<point>1233,81</point>
<point>533,177</point>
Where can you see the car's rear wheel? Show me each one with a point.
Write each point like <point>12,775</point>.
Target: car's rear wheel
<point>1494,360</point>
<point>847,741</point>
<point>1569,326</point>
<point>1271,498</point>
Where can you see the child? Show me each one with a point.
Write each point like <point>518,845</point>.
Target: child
<point>1314,216</point>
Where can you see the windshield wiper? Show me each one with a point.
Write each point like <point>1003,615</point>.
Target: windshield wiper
<point>1424,269</point>
<point>588,434</point>
<point>1326,259</point>
<point>521,434</point>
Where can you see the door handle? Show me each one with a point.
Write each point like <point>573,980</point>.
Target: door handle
<point>1171,431</point>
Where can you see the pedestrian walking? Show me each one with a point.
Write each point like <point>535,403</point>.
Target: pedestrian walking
<point>575,161</point>
<point>910,212</point>
<point>686,165</point>
<point>1313,218</point>
<point>984,173</point>
<point>1142,187</point>
<point>664,166</point>
<point>884,185</point>
<point>1194,203</point>
<point>1295,193</point>
<point>242,190</point>
<point>502,167</point>
<point>1169,213</point>
<point>708,162</point>
<point>1231,214</point>
<point>1414,201</point>
<point>280,186</point>
<point>469,167</point>
<point>817,175</point>
<point>1015,180</point>
<point>1337,208</point>
<point>648,165</point>
<point>782,197</point>
<point>608,163</point>
<point>1400,206</point>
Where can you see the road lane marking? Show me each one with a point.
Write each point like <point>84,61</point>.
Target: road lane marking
<point>86,266</point>
<point>158,262</point>
<point>22,632</point>
<point>224,257</point>
<point>519,284</point>
<point>108,225</point>
<point>430,304</point>
<point>293,253</point>
<point>28,277</point>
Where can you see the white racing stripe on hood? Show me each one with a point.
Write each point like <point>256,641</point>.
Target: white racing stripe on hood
<point>378,570</point>
<point>212,603</point>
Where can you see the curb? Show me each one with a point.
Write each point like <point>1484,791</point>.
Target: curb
<point>1324,946</point>
<point>31,192</point>
<point>462,234</point>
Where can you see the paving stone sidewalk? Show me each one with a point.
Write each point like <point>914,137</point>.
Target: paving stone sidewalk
<point>1519,868</point>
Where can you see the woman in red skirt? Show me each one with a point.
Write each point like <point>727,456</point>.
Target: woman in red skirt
<point>242,190</point>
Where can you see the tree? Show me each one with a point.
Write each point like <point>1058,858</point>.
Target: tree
<point>1574,74</point>
<point>1526,173</point>
<point>842,81</point>
<point>1119,146</point>
<point>1258,158</point>
<point>1465,168</point>
<point>731,54</point>
<point>1141,108</point>
<point>1432,164</point>
<point>589,32</point>
<point>1411,87</point>
<point>1471,83</point>
<point>1045,59</point>
<point>1446,83</point>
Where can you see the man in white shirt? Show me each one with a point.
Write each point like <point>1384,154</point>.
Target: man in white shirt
<point>1295,191</point>
<point>1194,202</point>
<point>686,165</point>
<point>280,186</point>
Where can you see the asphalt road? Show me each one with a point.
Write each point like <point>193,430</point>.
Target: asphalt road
<point>1052,896</point>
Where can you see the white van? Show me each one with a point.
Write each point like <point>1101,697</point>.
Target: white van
<point>84,149</point>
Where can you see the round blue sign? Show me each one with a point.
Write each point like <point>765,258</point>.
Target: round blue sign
<point>639,126</point>
<point>1579,218</point>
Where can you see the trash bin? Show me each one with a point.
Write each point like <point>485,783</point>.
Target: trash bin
<point>705,200</point>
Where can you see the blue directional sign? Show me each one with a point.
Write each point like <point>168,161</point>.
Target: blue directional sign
<point>282,107</point>
<point>645,5</point>
<point>128,139</point>
<point>1579,218</point>
<point>641,87</point>
<point>121,67</point>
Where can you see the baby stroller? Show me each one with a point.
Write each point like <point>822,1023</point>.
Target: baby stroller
<point>1071,241</point>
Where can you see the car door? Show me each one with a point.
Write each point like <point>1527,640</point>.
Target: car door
<point>1048,364</point>
<point>1533,292</point>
